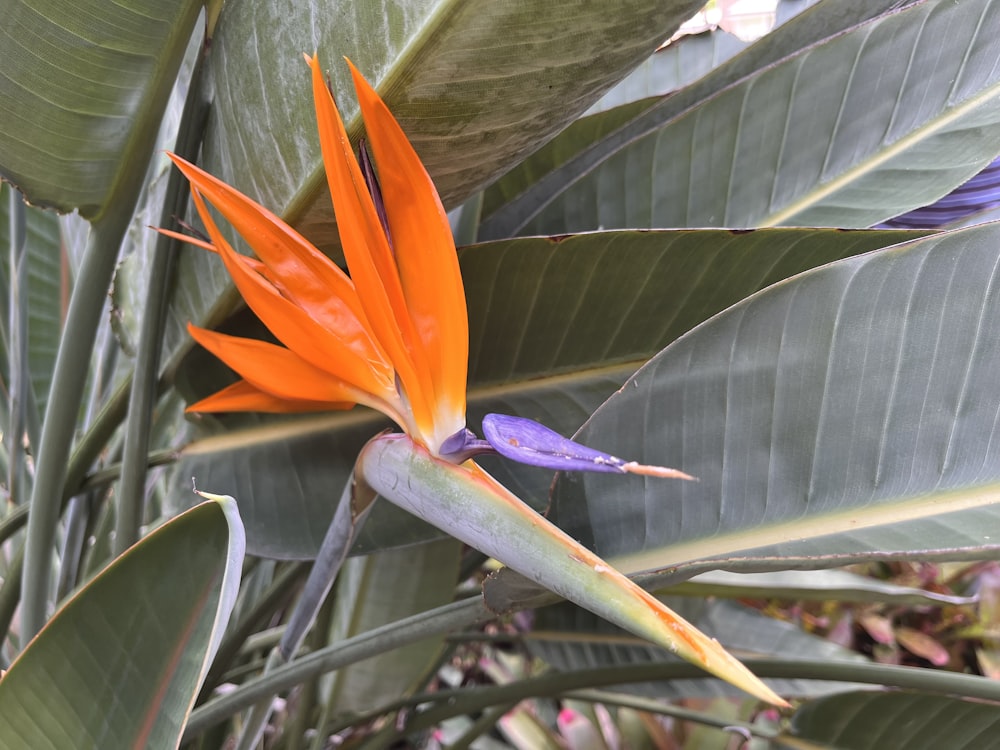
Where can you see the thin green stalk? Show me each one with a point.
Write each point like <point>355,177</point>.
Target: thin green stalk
<point>308,697</point>
<point>376,641</point>
<point>75,346</point>
<point>108,474</point>
<point>97,435</point>
<point>451,703</point>
<point>651,705</point>
<point>77,520</point>
<point>19,379</point>
<point>161,281</point>
<point>10,592</point>
<point>13,522</point>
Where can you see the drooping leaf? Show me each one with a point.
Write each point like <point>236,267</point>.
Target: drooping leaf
<point>120,663</point>
<point>807,140</point>
<point>812,585</point>
<point>844,414</point>
<point>588,310</point>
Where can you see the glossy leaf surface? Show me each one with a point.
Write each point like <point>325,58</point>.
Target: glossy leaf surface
<point>798,140</point>
<point>119,665</point>
<point>83,89</point>
<point>45,289</point>
<point>916,721</point>
<point>844,414</point>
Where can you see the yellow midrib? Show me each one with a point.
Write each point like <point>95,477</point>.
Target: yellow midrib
<point>815,527</point>
<point>825,190</point>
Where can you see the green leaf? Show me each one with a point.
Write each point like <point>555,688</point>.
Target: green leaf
<point>845,414</point>
<point>916,721</point>
<point>46,290</point>
<point>82,93</point>
<point>120,663</point>
<point>812,585</point>
<point>579,327</point>
<point>871,114</point>
<point>694,56</point>
<point>470,115</point>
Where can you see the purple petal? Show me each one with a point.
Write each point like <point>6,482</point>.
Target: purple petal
<point>528,442</point>
<point>374,190</point>
<point>462,446</point>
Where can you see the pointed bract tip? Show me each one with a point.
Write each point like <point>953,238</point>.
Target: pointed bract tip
<point>656,471</point>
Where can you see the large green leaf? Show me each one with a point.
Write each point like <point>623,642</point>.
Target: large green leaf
<point>555,328</point>
<point>869,115</point>
<point>844,414</point>
<point>82,92</point>
<point>120,664</point>
<point>871,721</point>
<point>476,84</point>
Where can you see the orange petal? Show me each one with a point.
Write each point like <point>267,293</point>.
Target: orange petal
<point>425,253</point>
<point>275,369</point>
<point>294,327</point>
<point>242,396</point>
<point>370,259</point>
<point>251,263</point>
<point>186,238</point>
<point>305,275</point>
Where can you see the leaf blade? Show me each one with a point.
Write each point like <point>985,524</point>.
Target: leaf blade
<point>126,677</point>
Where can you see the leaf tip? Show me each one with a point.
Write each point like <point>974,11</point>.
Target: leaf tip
<point>221,499</point>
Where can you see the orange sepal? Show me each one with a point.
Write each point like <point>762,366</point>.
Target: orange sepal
<point>275,369</point>
<point>243,396</point>
<point>370,258</point>
<point>305,275</point>
<point>425,254</point>
<point>294,327</point>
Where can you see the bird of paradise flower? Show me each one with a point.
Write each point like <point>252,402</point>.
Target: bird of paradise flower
<point>394,337</point>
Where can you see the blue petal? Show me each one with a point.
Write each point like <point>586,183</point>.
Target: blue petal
<point>462,446</point>
<point>528,442</point>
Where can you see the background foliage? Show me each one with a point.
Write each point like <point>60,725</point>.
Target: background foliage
<point>654,254</point>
